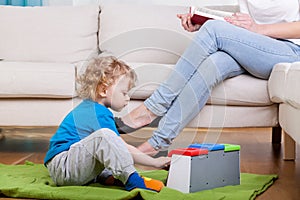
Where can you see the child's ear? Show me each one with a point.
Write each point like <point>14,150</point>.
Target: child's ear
<point>102,91</point>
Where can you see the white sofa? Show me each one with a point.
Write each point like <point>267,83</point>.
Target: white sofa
<point>284,87</point>
<point>43,48</point>
<point>40,49</point>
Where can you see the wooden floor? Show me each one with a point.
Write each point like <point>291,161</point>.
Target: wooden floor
<point>258,155</point>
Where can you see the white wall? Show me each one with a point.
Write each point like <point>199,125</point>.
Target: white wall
<point>167,2</point>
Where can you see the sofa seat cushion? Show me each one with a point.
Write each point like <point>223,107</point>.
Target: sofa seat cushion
<point>284,84</point>
<point>35,112</point>
<point>243,90</point>
<point>48,34</point>
<point>218,116</point>
<point>33,79</point>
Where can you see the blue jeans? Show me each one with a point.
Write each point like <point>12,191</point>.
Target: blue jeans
<point>218,51</point>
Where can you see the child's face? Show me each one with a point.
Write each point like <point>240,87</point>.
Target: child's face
<point>117,94</point>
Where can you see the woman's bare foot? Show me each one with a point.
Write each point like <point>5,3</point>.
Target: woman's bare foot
<point>147,149</point>
<point>139,117</point>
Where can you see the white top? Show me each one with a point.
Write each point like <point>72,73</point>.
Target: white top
<point>272,11</point>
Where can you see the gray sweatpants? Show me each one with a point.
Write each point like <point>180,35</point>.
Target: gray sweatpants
<point>89,157</point>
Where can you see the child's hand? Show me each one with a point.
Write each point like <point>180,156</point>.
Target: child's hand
<point>162,162</point>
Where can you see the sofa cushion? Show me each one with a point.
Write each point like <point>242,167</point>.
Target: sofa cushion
<point>33,79</point>
<point>143,33</point>
<point>284,84</point>
<point>233,91</point>
<point>243,90</point>
<point>48,34</point>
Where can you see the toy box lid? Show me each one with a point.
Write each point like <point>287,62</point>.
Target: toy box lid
<point>217,147</point>
<point>208,146</point>
<point>188,152</point>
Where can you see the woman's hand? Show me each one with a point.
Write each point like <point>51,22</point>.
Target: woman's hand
<point>284,30</point>
<point>162,162</point>
<point>187,23</point>
<point>244,21</point>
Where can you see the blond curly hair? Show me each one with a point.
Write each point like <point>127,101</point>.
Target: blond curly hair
<point>102,71</point>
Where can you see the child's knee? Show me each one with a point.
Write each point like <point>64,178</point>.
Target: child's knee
<point>104,132</point>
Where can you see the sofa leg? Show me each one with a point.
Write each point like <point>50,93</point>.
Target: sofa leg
<point>289,149</point>
<point>276,135</point>
<point>1,134</point>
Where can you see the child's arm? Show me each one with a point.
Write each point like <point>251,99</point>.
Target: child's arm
<point>143,159</point>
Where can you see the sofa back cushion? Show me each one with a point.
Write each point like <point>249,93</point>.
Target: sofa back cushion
<point>48,34</point>
<point>143,33</point>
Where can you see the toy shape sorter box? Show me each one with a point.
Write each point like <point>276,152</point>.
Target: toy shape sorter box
<point>204,166</point>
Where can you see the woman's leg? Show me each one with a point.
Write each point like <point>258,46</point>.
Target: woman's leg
<point>254,52</point>
<point>88,157</point>
<point>191,100</point>
<point>159,102</point>
<point>257,54</point>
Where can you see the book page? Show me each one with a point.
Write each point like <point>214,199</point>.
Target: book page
<point>209,13</point>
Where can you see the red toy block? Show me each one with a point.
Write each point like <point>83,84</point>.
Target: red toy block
<point>188,152</point>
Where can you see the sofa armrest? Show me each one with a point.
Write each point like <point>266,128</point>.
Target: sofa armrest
<point>284,84</point>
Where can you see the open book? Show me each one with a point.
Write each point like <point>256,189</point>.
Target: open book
<point>202,14</point>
